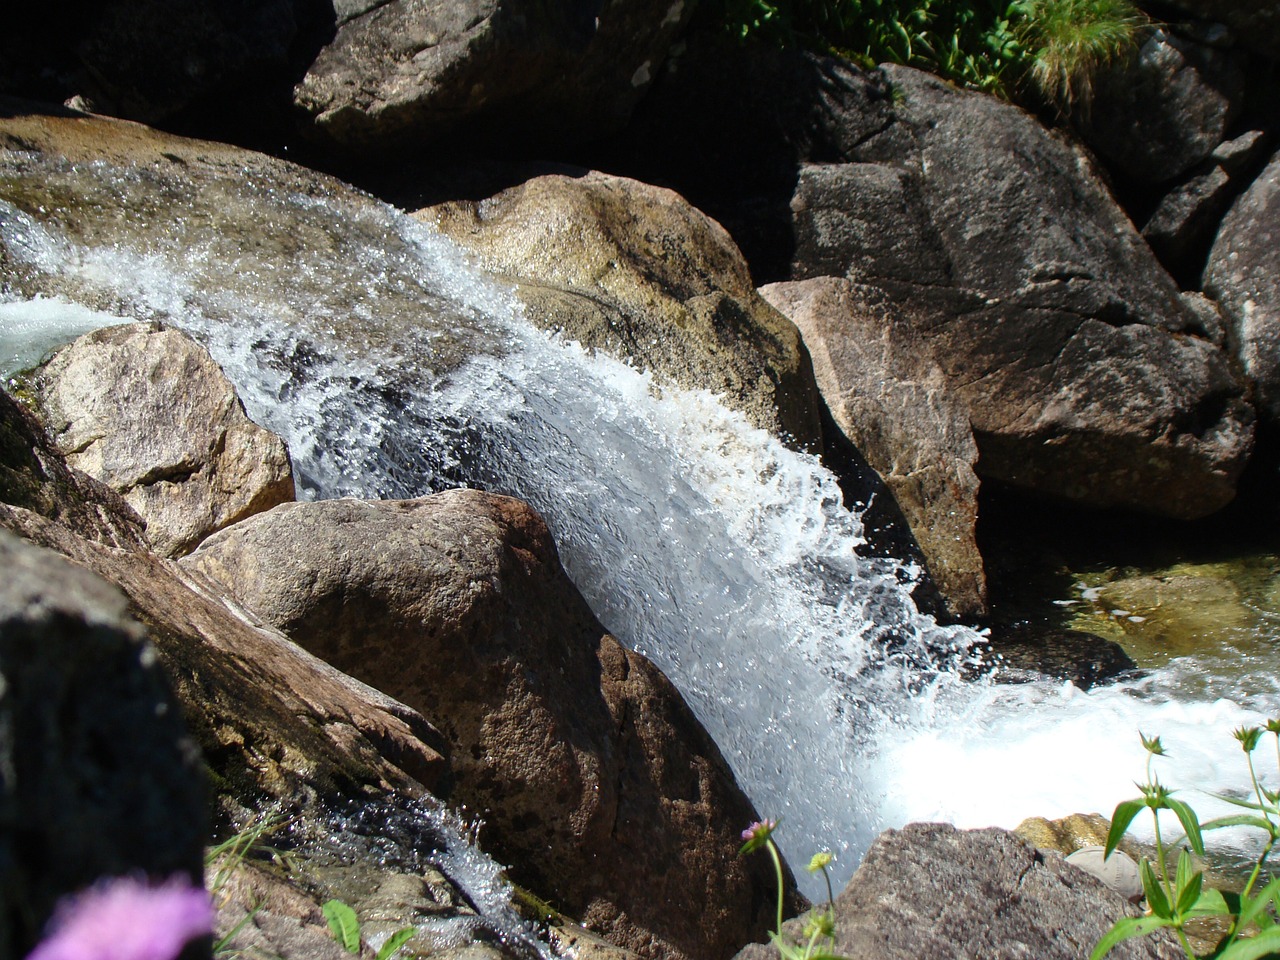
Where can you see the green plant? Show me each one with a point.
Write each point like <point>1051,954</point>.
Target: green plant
<point>223,859</point>
<point>819,936</point>
<point>1066,42</point>
<point>345,926</point>
<point>992,45</point>
<point>1173,901</point>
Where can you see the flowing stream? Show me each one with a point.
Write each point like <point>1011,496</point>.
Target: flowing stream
<point>393,369</point>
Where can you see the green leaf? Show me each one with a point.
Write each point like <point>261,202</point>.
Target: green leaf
<point>395,942</point>
<point>1189,893</point>
<point>1210,904</point>
<point>1190,823</point>
<point>1265,944</point>
<point>1239,820</point>
<point>1249,804</point>
<point>1123,930</point>
<point>1252,907</point>
<point>344,924</point>
<point>1120,820</point>
<point>1156,898</point>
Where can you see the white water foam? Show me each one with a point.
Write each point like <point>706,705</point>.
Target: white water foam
<point>698,539</point>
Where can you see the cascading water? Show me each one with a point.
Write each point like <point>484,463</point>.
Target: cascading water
<point>393,369</point>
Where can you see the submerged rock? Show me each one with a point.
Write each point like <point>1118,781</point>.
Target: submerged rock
<point>592,776</point>
<point>636,271</point>
<point>932,892</point>
<point>148,412</point>
<point>97,775</point>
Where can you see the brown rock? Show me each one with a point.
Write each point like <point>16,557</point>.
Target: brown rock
<point>148,412</point>
<point>890,398</point>
<point>591,774</point>
<point>270,719</point>
<point>636,271</point>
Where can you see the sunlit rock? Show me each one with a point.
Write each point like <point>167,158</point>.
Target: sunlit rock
<point>889,396</point>
<point>1243,273</point>
<point>932,892</point>
<point>148,412</point>
<point>592,776</point>
<point>636,271</point>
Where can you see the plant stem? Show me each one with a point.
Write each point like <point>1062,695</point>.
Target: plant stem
<point>777,869</point>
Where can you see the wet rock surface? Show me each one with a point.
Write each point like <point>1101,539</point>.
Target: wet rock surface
<point>890,398</point>
<point>635,271</point>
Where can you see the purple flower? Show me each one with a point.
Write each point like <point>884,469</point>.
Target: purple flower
<point>127,919</point>
<point>757,834</point>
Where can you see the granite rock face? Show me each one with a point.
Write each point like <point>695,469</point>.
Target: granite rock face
<point>1164,110</point>
<point>888,395</point>
<point>1244,275</point>
<point>148,412</point>
<point>592,775</point>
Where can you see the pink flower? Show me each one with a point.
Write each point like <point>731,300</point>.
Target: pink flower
<point>127,919</point>
<point>757,835</point>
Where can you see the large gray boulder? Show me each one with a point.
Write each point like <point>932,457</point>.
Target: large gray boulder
<point>148,412</point>
<point>889,396</point>
<point>634,270</point>
<point>1243,273</point>
<point>403,72</point>
<point>932,892</point>
<point>1085,374</point>
<point>1157,114</point>
<point>593,778</point>
<point>97,775</point>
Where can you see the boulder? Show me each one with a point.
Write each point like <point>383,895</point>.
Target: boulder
<point>1243,274</point>
<point>99,778</point>
<point>1255,24</point>
<point>932,892</point>
<point>1160,112</point>
<point>592,776</point>
<point>1085,374</point>
<point>148,412</point>
<point>270,719</point>
<point>1182,226</point>
<point>403,72</point>
<point>888,395</point>
<point>636,271</point>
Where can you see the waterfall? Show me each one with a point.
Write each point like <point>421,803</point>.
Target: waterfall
<point>393,369</point>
